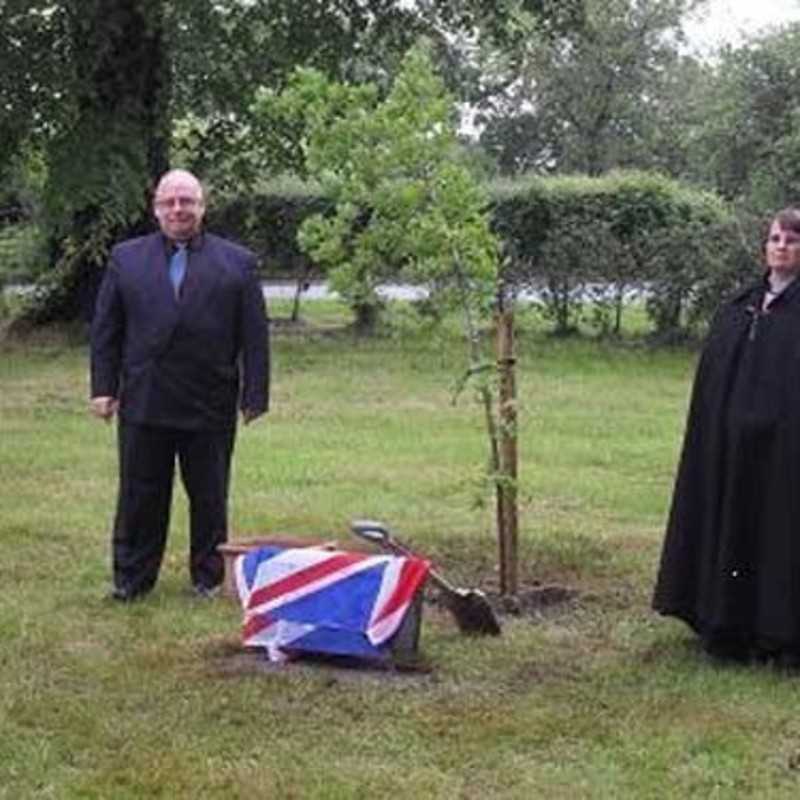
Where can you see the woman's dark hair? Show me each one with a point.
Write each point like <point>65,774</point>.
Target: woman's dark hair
<point>788,219</point>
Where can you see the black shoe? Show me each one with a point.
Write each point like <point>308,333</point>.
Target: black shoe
<point>120,595</point>
<point>206,592</point>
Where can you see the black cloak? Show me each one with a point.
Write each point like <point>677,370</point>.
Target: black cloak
<point>730,565</point>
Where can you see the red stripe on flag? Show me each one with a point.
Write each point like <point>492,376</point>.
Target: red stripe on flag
<point>412,573</point>
<point>301,577</point>
<point>254,625</point>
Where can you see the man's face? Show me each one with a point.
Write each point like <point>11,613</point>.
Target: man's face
<point>179,205</point>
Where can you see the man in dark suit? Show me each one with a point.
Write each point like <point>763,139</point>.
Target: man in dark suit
<point>179,340</point>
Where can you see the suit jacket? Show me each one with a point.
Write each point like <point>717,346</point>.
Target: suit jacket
<point>181,362</point>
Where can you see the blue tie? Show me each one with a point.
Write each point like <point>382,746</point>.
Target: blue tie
<point>177,268</point>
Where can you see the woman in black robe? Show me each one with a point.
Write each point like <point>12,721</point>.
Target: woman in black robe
<point>730,565</point>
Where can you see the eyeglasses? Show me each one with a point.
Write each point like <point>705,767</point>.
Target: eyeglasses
<point>184,203</point>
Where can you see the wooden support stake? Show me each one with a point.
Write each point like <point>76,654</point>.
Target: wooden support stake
<point>507,495</point>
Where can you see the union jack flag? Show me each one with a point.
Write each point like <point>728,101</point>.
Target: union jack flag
<point>324,601</point>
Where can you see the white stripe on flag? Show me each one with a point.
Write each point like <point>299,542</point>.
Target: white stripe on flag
<point>265,577</point>
<point>387,627</point>
<point>278,635</point>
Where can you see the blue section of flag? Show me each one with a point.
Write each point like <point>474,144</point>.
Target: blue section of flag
<point>339,642</point>
<point>346,604</point>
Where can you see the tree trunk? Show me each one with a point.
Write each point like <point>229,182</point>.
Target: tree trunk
<point>101,168</point>
<point>366,317</point>
<point>619,305</point>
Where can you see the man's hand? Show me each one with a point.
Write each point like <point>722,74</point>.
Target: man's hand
<point>104,407</point>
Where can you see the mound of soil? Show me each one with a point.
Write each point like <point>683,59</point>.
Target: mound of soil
<point>532,601</point>
<point>535,600</point>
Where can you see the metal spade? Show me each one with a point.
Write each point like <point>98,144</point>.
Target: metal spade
<point>470,607</point>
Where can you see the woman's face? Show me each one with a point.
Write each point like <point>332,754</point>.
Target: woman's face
<point>783,250</point>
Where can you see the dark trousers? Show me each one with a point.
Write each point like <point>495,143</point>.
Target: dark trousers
<point>147,457</point>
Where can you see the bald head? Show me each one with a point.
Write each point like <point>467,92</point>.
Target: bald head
<point>179,204</point>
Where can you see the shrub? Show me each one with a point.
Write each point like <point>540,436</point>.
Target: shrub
<point>22,254</point>
<point>574,238</point>
<point>583,245</point>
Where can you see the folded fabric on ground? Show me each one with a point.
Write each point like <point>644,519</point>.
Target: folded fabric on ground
<point>324,601</point>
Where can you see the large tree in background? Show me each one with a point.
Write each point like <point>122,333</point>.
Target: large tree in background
<point>96,86</point>
<point>746,132</point>
<point>86,82</point>
<point>583,100</point>
<point>31,77</point>
<point>253,47</point>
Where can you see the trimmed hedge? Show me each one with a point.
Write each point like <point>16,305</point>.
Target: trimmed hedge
<point>268,223</point>
<point>582,245</point>
<point>576,239</point>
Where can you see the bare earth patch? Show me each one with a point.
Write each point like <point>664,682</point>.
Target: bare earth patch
<point>228,659</point>
<point>535,602</point>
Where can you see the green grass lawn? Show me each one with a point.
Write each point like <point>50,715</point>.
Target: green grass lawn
<point>599,698</point>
